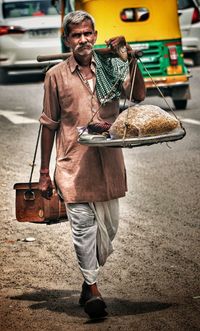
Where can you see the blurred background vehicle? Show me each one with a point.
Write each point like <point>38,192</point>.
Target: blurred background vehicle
<point>153,27</point>
<point>189,17</point>
<point>28,28</point>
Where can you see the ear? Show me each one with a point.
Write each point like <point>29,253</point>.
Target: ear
<point>95,36</point>
<point>65,40</point>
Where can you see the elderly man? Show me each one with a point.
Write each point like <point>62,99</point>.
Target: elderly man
<point>89,179</point>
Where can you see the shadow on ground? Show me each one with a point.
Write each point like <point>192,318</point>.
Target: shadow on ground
<point>67,301</point>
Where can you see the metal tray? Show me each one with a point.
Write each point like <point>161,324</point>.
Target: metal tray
<point>101,141</point>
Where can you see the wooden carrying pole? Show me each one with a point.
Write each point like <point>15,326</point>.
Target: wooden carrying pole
<point>64,56</point>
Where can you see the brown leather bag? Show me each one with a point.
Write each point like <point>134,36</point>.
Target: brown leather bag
<point>32,207</point>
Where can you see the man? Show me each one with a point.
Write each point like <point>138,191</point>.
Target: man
<point>89,179</point>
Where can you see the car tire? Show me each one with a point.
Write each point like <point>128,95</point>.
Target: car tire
<point>196,59</point>
<point>180,104</point>
<point>3,75</point>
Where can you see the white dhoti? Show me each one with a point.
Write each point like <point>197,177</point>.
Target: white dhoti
<point>94,226</point>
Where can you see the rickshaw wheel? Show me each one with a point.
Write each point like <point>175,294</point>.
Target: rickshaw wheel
<point>196,58</point>
<point>3,76</point>
<point>180,104</point>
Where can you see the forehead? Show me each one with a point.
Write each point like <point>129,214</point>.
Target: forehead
<point>86,24</point>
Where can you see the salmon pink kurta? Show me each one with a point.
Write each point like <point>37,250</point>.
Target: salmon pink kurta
<point>82,174</point>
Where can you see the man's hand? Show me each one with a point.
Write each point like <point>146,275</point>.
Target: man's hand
<point>119,46</point>
<point>116,42</point>
<point>45,186</point>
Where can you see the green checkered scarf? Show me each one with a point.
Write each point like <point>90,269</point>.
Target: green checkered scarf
<point>110,74</point>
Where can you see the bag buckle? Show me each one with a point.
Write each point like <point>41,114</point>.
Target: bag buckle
<point>29,195</point>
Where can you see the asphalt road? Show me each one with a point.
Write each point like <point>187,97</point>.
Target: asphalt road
<point>152,280</point>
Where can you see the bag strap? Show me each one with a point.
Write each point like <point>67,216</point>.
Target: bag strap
<point>34,156</point>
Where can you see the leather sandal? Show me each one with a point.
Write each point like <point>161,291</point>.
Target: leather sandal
<point>95,307</point>
<point>93,303</point>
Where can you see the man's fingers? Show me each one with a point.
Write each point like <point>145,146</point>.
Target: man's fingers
<point>116,42</point>
<point>47,193</point>
<point>45,187</point>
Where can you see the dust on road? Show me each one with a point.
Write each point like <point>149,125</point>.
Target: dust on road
<point>151,281</point>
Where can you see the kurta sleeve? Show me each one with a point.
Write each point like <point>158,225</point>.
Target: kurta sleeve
<point>51,108</point>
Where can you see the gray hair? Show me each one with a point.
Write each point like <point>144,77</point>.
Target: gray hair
<point>76,17</point>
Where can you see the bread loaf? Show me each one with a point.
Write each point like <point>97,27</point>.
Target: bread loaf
<point>141,121</point>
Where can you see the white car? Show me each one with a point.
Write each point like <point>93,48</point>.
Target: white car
<point>28,28</point>
<point>189,18</point>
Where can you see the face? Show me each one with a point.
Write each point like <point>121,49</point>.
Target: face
<point>81,38</point>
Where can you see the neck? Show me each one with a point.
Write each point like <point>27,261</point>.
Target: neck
<point>83,61</point>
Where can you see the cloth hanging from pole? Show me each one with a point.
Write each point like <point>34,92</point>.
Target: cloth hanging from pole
<point>110,75</point>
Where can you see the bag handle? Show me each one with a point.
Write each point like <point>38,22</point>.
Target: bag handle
<point>34,156</point>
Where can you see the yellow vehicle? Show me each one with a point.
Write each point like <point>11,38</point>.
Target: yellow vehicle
<point>153,27</point>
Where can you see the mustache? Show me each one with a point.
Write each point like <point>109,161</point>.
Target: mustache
<point>80,47</point>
